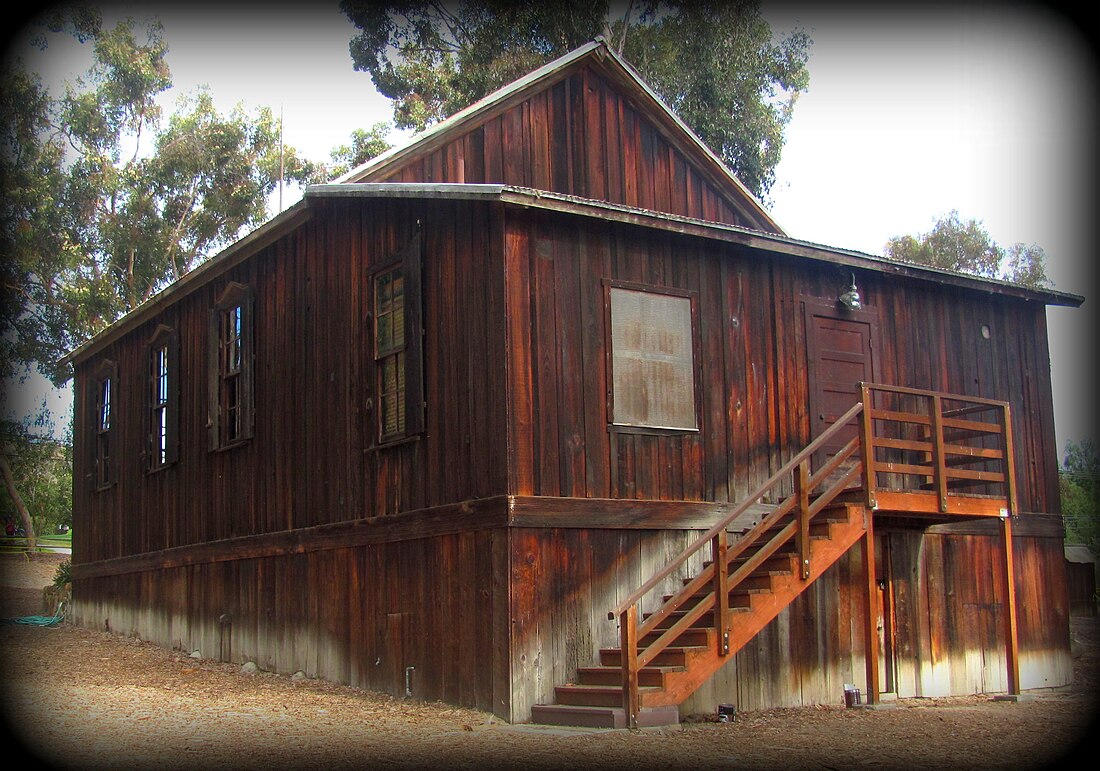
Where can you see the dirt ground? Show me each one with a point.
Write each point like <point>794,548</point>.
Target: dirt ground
<point>75,698</point>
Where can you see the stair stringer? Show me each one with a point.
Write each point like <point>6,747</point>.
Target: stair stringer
<point>746,623</point>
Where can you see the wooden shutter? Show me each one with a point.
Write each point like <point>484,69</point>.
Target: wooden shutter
<point>412,267</point>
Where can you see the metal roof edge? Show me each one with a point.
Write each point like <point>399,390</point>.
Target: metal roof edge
<point>527,197</point>
<point>784,243</point>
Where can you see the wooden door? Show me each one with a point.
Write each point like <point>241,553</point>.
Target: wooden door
<point>840,355</point>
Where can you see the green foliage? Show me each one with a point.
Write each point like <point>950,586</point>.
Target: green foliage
<point>717,64</point>
<point>43,472</point>
<point>365,145</point>
<point>106,202</point>
<point>967,247</point>
<point>64,574</point>
<point>1079,484</point>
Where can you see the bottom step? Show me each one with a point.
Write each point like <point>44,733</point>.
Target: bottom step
<point>602,717</point>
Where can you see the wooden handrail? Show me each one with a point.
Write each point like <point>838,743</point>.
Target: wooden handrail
<point>759,493</point>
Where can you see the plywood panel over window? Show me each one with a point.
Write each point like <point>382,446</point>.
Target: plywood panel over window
<point>652,359</point>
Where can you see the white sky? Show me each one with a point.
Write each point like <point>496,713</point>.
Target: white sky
<point>910,113</point>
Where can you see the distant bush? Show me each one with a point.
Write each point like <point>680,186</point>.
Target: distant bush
<point>64,574</point>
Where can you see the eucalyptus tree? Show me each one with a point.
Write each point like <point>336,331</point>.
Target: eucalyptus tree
<point>106,200</point>
<point>717,64</point>
<point>966,246</point>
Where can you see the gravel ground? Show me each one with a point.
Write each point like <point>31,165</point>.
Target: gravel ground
<point>76,698</point>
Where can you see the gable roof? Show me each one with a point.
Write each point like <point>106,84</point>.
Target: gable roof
<point>601,57</point>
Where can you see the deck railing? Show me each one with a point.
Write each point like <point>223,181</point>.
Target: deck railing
<point>900,441</point>
<point>952,448</point>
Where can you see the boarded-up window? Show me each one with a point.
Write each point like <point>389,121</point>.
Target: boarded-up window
<point>652,360</point>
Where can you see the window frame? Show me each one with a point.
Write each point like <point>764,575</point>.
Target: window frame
<point>408,264</point>
<point>162,400</point>
<point>610,285</point>
<point>104,410</point>
<point>227,381</point>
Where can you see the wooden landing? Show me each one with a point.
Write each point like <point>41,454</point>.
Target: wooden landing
<point>920,502</point>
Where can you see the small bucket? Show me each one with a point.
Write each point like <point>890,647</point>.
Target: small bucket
<point>726,712</point>
<point>852,697</point>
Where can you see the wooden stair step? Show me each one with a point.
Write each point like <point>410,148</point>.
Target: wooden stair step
<point>647,676</point>
<point>672,656</point>
<point>698,637</point>
<point>594,695</point>
<point>777,564</point>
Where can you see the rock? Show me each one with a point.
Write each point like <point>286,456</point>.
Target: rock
<point>299,675</point>
<point>196,655</point>
<point>250,668</point>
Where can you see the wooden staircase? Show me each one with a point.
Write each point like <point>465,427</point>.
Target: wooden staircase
<point>926,446</point>
<point>700,648</point>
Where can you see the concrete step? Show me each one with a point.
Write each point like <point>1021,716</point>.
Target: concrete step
<point>601,717</point>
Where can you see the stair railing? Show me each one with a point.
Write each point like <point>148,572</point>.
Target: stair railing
<point>946,442</point>
<point>722,553</point>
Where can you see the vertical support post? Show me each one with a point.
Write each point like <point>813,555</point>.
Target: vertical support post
<point>1008,591</point>
<point>802,513</point>
<point>628,640</point>
<point>867,447</point>
<point>870,626</point>
<point>719,547</point>
<point>939,463</point>
<point>1009,461</point>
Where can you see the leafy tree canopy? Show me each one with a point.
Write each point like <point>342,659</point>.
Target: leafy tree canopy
<point>42,470</point>
<point>106,202</point>
<point>1079,482</point>
<point>716,63</point>
<point>365,144</point>
<point>966,246</point>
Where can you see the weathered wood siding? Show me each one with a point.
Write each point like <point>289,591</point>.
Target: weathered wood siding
<point>379,616</point>
<point>753,361</point>
<point>581,136</point>
<point>310,461</point>
<point>948,616</point>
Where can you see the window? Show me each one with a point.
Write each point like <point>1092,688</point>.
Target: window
<point>162,399</point>
<point>103,415</point>
<point>389,352</point>
<point>397,345</point>
<point>652,358</point>
<point>231,364</point>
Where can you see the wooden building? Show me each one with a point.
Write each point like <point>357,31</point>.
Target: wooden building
<point>477,419</point>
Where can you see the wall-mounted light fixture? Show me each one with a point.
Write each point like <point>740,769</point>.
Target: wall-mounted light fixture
<point>850,299</point>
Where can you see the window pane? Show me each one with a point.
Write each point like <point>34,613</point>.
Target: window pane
<point>652,360</point>
<point>105,405</point>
